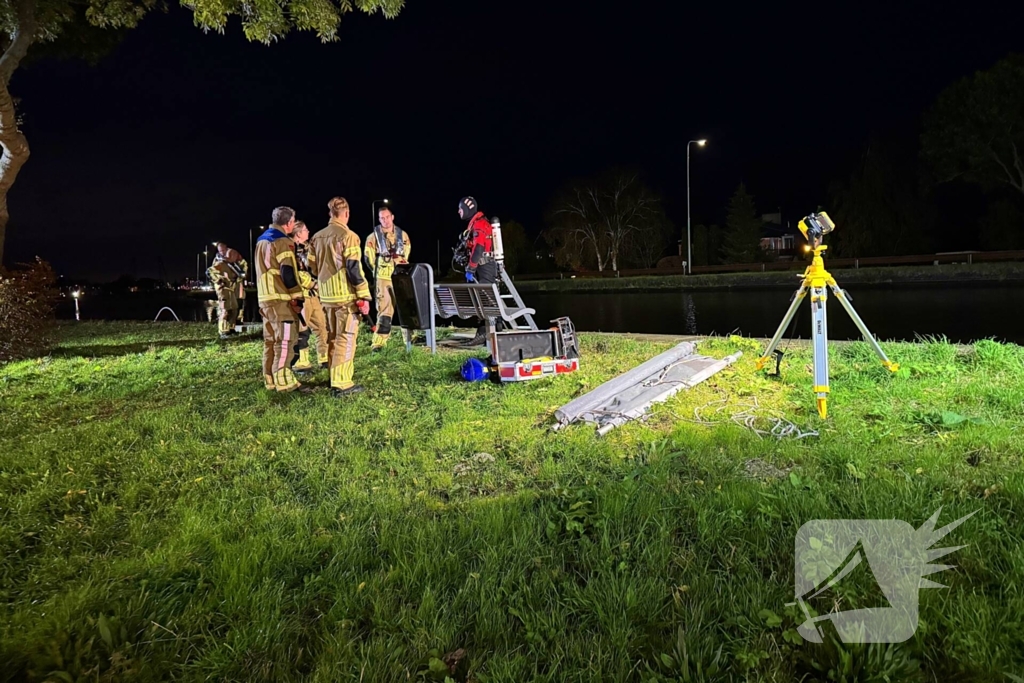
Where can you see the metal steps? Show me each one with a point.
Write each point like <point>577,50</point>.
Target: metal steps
<point>513,294</point>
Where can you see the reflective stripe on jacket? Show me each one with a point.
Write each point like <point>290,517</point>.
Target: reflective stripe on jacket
<point>334,260</point>
<point>276,269</point>
<point>384,268</point>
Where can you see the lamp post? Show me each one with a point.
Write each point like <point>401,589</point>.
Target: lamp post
<point>689,257</point>
<point>75,295</point>
<point>374,205</point>
<point>198,266</point>
<point>206,254</point>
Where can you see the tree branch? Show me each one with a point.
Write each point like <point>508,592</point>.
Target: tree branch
<point>1009,176</point>
<point>24,35</point>
<point>1017,165</point>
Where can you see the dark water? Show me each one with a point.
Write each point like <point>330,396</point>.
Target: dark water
<point>146,306</point>
<point>961,314</point>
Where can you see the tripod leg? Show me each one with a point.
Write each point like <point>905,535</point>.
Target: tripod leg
<point>819,332</point>
<point>797,300</point>
<point>892,367</point>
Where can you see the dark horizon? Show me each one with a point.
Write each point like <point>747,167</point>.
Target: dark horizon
<point>178,138</point>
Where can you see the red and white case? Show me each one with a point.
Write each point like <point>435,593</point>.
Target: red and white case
<point>536,369</point>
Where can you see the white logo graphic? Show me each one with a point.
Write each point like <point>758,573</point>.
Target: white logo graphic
<point>896,554</point>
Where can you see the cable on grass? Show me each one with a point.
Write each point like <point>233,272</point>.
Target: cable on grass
<point>748,417</point>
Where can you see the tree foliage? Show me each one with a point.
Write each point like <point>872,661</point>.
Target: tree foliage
<point>69,27</point>
<point>606,221</point>
<point>707,245</point>
<point>741,242</point>
<point>27,298</point>
<point>975,130</point>
<point>880,209</point>
<point>1002,226</point>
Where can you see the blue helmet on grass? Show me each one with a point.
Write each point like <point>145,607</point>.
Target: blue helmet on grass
<point>474,370</point>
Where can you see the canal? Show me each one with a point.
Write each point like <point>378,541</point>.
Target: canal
<point>960,313</point>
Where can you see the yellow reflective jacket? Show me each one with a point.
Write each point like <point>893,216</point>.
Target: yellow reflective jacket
<point>276,268</point>
<point>222,277</point>
<point>334,261</point>
<point>385,267</point>
<point>306,278</point>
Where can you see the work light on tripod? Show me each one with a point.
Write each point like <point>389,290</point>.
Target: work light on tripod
<point>817,281</point>
<point>815,227</point>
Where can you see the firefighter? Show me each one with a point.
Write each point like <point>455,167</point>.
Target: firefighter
<point>386,246</point>
<point>243,266</point>
<point>280,299</point>
<point>481,266</point>
<point>312,311</point>
<point>334,260</point>
<point>224,276</point>
<point>226,254</point>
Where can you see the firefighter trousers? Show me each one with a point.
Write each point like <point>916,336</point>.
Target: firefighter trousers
<point>342,331</point>
<point>487,274</point>
<point>227,303</point>
<point>317,321</point>
<point>280,335</point>
<point>385,313</point>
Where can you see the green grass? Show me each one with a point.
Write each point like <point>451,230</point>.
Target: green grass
<point>1005,273</point>
<point>164,517</point>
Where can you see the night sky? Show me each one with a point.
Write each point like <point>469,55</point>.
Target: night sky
<point>179,138</point>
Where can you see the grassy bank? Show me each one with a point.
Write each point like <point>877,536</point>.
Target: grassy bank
<point>166,518</point>
<point>945,274</point>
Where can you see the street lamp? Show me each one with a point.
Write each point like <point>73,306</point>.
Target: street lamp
<point>75,295</point>
<point>689,257</point>
<point>374,205</point>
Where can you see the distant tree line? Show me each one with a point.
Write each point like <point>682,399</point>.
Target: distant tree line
<point>900,201</point>
<point>608,222</point>
<point>899,198</point>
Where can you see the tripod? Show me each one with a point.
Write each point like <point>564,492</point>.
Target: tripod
<point>816,278</point>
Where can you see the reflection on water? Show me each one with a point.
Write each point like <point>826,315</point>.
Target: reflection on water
<point>690,314</point>
<point>961,314</point>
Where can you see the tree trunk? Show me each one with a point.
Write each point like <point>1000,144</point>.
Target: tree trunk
<point>15,146</point>
<point>15,154</point>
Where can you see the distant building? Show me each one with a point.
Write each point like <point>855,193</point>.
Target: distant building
<point>778,238</point>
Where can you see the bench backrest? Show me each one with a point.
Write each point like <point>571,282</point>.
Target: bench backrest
<point>469,300</point>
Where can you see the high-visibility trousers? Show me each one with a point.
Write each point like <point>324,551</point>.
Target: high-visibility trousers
<point>342,331</point>
<point>313,312</point>
<point>280,334</point>
<point>227,301</point>
<point>385,313</point>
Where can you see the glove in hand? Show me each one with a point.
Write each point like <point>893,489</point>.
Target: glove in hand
<point>364,306</point>
<point>470,277</point>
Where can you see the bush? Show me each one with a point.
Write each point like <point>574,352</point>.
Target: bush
<point>27,298</point>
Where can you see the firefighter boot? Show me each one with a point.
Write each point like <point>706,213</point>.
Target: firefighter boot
<point>381,334</point>
<point>302,363</point>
